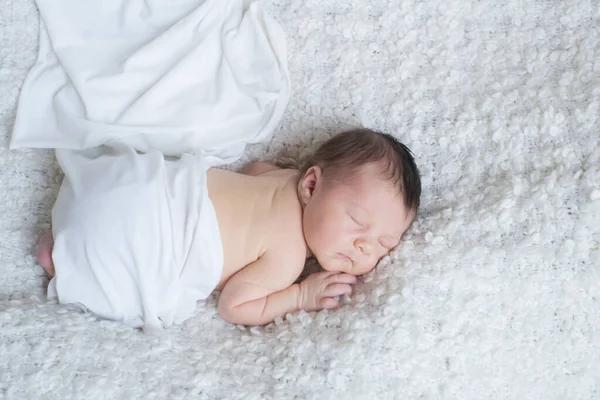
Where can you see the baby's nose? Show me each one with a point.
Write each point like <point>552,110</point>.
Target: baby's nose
<point>364,246</point>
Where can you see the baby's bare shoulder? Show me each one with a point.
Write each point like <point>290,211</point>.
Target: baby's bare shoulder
<point>286,220</point>
<point>282,240</point>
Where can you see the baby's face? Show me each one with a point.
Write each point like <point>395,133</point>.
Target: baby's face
<point>350,225</point>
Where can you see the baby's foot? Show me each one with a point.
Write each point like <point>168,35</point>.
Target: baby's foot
<point>44,253</point>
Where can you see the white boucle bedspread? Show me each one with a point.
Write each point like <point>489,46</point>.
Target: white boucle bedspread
<point>495,291</point>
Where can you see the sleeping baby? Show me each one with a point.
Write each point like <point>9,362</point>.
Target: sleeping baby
<point>140,239</point>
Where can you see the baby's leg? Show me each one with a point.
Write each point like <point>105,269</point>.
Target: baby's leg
<point>44,253</point>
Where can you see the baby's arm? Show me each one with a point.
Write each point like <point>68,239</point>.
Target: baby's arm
<point>260,292</point>
<point>265,290</point>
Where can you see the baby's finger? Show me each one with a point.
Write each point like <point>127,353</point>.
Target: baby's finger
<point>337,289</point>
<point>343,278</point>
<point>328,303</point>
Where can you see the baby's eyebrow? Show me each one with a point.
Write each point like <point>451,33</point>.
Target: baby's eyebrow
<point>360,213</point>
<point>359,207</point>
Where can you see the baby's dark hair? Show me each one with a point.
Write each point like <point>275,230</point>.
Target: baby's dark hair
<point>347,151</point>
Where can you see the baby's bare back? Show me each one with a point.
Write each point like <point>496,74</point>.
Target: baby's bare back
<point>257,214</point>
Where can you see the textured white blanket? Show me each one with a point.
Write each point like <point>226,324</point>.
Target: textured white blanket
<point>495,293</point>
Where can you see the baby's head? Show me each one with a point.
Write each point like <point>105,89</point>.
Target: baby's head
<point>360,192</point>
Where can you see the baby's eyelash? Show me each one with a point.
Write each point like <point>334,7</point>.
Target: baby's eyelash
<point>356,222</point>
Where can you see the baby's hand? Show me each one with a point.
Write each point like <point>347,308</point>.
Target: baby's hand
<point>318,290</point>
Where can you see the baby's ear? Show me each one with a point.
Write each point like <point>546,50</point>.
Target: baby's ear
<point>308,183</point>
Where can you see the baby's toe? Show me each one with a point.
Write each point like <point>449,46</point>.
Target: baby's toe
<point>44,253</point>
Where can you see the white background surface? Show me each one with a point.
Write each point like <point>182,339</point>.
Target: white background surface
<point>495,291</point>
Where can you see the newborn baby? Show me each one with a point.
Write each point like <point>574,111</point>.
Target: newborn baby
<point>347,206</point>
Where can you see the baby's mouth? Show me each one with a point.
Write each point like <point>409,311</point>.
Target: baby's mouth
<point>345,258</point>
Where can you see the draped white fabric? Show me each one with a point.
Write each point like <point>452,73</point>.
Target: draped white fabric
<point>174,76</point>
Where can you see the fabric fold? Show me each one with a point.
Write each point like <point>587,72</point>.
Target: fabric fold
<point>177,77</point>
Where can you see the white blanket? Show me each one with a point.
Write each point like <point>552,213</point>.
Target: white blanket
<point>493,294</point>
<point>136,236</point>
<point>174,76</point>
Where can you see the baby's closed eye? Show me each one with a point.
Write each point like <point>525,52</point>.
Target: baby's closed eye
<point>356,221</point>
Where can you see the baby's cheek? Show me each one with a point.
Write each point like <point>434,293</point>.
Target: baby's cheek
<point>372,263</point>
<point>365,269</point>
<point>328,228</point>
<point>322,237</point>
